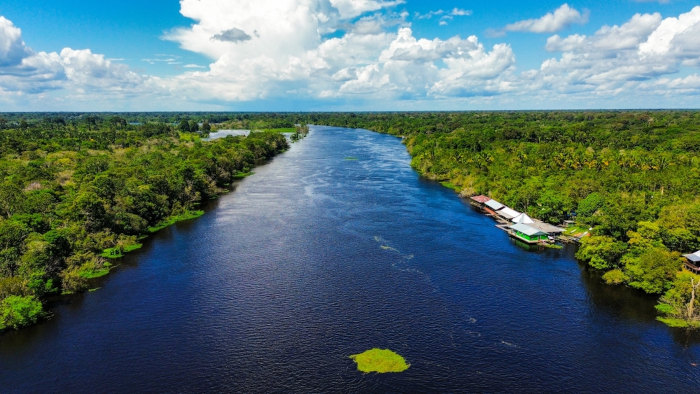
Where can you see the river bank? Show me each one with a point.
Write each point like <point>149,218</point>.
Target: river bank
<point>619,174</point>
<point>85,209</point>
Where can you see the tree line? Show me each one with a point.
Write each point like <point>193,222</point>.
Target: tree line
<point>631,176</point>
<point>76,185</point>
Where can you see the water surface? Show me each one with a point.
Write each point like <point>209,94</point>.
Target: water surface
<point>335,247</point>
<point>225,133</point>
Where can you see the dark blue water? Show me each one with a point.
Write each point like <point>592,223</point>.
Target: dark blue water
<point>317,257</point>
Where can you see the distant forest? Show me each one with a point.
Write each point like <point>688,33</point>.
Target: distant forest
<point>76,186</point>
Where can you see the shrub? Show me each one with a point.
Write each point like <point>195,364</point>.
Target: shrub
<point>18,311</point>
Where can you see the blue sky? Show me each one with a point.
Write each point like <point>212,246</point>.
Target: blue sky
<point>309,55</point>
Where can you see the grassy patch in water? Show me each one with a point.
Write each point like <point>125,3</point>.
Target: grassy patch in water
<point>241,175</point>
<point>90,271</point>
<point>553,246</point>
<point>187,215</point>
<point>450,185</point>
<point>678,323</point>
<point>350,158</point>
<point>95,274</point>
<point>380,360</point>
<point>116,252</point>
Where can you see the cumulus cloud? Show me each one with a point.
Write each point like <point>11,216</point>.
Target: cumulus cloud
<point>679,37</point>
<point>77,72</point>
<point>561,18</point>
<point>609,38</point>
<point>638,53</point>
<point>12,48</point>
<point>277,49</point>
<point>377,53</point>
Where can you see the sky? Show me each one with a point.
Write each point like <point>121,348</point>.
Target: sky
<point>348,55</point>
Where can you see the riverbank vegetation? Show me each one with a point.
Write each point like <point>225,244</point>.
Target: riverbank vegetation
<point>631,176</point>
<point>77,185</point>
<point>79,189</point>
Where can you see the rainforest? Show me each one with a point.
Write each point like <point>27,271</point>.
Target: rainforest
<point>79,190</point>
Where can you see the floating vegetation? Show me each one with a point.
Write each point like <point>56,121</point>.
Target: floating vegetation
<point>451,185</point>
<point>380,361</point>
<point>553,246</point>
<point>386,247</point>
<point>350,158</point>
<point>187,215</point>
<point>117,251</point>
<point>242,174</point>
<point>98,273</point>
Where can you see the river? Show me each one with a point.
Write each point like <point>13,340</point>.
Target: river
<point>335,247</point>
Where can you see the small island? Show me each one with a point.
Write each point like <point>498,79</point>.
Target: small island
<point>380,361</point>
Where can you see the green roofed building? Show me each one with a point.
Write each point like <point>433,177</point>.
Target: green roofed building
<point>527,233</point>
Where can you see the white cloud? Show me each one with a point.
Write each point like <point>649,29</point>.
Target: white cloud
<point>635,55</point>
<point>561,18</point>
<point>352,8</point>
<point>445,16</point>
<point>609,38</point>
<point>86,70</point>
<point>429,14</point>
<point>77,73</point>
<point>163,59</point>
<point>460,12</point>
<point>12,48</point>
<point>675,36</point>
<point>288,53</point>
<point>276,49</point>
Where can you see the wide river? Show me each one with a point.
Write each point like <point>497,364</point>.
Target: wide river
<point>335,247</point>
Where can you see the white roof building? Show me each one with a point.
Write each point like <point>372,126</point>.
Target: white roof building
<point>693,257</point>
<point>527,230</point>
<point>493,204</point>
<point>508,213</point>
<point>523,218</point>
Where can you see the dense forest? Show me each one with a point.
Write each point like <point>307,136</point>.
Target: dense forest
<point>80,189</point>
<point>632,177</point>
